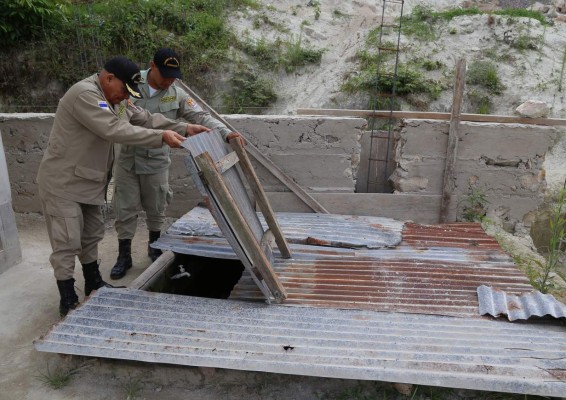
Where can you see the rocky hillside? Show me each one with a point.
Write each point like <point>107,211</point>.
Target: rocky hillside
<point>522,57</point>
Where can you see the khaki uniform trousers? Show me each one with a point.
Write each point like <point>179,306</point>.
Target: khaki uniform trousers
<point>134,192</point>
<point>74,229</point>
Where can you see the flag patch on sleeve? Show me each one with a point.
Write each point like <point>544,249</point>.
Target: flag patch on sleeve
<point>102,104</point>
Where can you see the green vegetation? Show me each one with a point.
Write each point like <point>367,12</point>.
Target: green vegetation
<point>134,28</point>
<point>484,74</point>
<point>23,20</point>
<point>286,54</point>
<point>58,378</point>
<point>541,276</point>
<point>315,4</point>
<point>475,207</point>
<point>408,81</point>
<point>57,53</point>
<point>133,388</point>
<point>480,101</point>
<point>422,22</point>
<point>524,13</point>
<point>250,92</point>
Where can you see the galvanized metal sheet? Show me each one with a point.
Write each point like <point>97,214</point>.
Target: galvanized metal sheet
<point>404,285</point>
<point>212,144</point>
<point>420,349</point>
<point>435,270</point>
<point>307,228</point>
<point>497,302</point>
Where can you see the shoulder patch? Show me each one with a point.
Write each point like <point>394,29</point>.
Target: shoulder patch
<point>121,110</point>
<point>193,104</point>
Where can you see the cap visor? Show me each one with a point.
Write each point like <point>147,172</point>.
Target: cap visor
<point>171,72</point>
<point>134,90</point>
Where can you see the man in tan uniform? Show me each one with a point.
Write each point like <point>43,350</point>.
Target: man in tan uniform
<point>93,114</point>
<point>142,173</point>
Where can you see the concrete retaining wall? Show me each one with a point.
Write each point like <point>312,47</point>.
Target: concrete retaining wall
<point>320,153</point>
<point>504,162</point>
<point>10,251</point>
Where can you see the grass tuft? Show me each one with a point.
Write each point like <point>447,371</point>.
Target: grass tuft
<point>57,378</point>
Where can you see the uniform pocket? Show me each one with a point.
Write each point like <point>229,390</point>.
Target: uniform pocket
<point>170,107</point>
<point>167,194</point>
<point>159,152</point>
<point>62,224</point>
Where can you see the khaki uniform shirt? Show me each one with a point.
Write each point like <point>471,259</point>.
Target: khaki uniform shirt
<point>174,103</point>
<point>79,153</point>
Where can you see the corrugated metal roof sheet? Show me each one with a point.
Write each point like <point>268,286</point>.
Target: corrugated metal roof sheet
<point>496,302</point>
<point>411,348</point>
<point>436,269</point>
<point>300,228</point>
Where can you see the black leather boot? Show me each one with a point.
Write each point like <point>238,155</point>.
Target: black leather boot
<point>151,252</point>
<point>124,261</point>
<point>93,280</point>
<point>69,299</point>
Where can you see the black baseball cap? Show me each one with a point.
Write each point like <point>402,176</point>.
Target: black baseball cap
<point>127,71</point>
<point>167,61</point>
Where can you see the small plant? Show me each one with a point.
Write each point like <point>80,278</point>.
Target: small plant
<point>296,55</point>
<point>57,378</point>
<point>420,23</point>
<point>484,73</point>
<point>551,262</point>
<point>339,14</point>
<point>132,388</point>
<point>523,12</point>
<point>526,42</point>
<point>249,92</point>
<point>316,5</point>
<point>475,204</point>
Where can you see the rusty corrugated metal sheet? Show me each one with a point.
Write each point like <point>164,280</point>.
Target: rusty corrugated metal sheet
<point>435,270</point>
<point>430,350</point>
<point>497,302</point>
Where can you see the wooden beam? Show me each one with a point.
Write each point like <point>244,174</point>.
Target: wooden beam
<point>499,119</point>
<point>241,228</point>
<point>154,271</point>
<point>261,158</point>
<point>453,137</point>
<point>261,198</point>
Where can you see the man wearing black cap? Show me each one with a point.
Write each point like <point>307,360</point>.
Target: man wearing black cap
<point>90,117</point>
<point>141,174</point>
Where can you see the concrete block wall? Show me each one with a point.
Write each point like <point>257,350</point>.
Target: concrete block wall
<point>505,161</point>
<point>10,250</point>
<point>319,153</point>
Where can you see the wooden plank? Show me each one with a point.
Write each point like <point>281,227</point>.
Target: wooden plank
<point>226,162</point>
<point>262,159</point>
<point>239,225</point>
<point>453,137</point>
<point>422,209</point>
<point>261,198</point>
<point>266,244</point>
<point>500,119</point>
<point>146,279</point>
